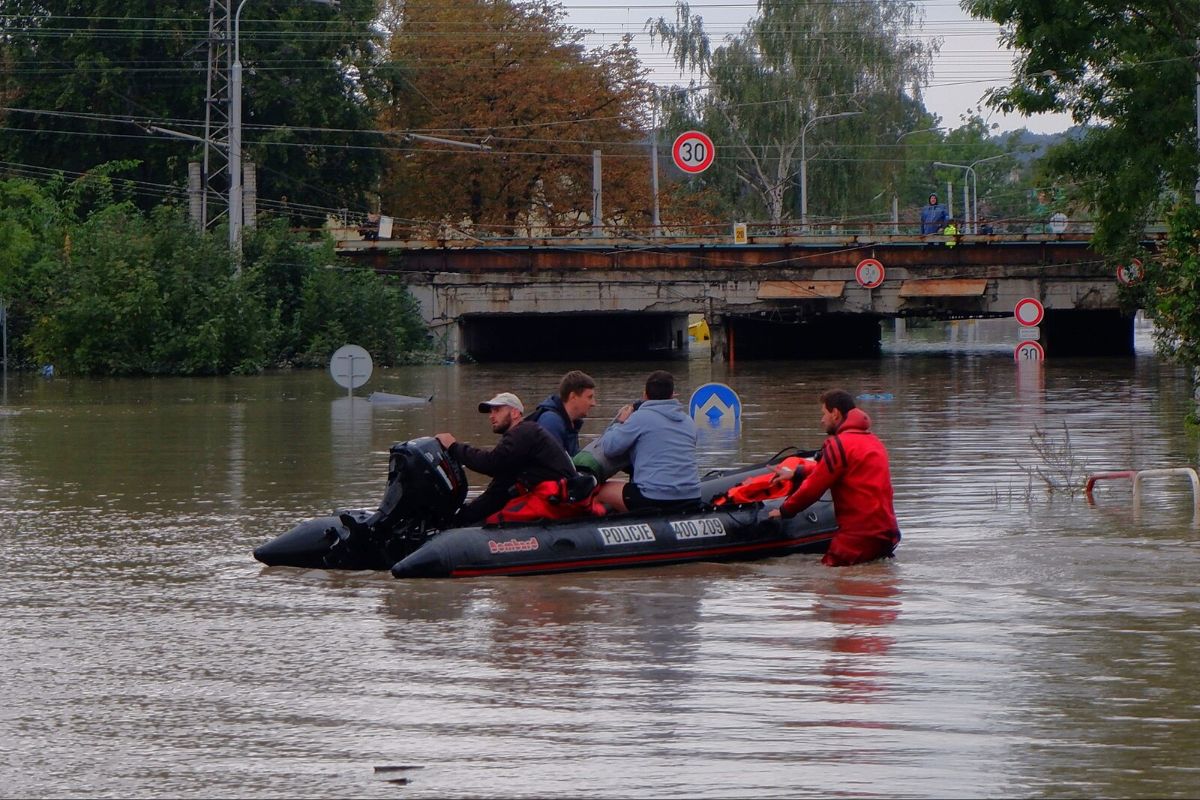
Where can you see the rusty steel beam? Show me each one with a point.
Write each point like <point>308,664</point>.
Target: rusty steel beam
<point>987,257</point>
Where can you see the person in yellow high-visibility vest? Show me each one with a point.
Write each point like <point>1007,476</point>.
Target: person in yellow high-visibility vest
<point>951,234</point>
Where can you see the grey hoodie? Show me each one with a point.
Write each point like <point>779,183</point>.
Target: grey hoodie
<point>661,440</point>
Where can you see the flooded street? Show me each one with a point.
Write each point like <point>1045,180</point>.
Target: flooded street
<point>1020,644</point>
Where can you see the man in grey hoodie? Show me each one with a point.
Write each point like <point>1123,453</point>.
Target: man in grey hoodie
<point>660,438</point>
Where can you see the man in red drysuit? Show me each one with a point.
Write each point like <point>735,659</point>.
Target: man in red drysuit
<point>854,466</point>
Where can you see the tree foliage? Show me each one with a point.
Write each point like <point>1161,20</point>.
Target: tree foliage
<point>513,76</point>
<point>94,285</point>
<point>1172,287</point>
<point>770,93</point>
<point>82,79</point>
<point>1128,70</point>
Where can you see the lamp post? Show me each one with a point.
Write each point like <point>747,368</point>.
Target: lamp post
<point>975,187</point>
<point>971,209</point>
<point>895,199</point>
<point>235,134</point>
<point>966,190</point>
<point>804,161</point>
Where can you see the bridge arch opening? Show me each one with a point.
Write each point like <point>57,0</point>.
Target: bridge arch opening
<point>573,337</point>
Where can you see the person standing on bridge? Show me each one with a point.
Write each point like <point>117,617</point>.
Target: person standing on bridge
<point>951,234</point>
<point>933,216</point>
<point>562,414</point>
<point>853,465</point>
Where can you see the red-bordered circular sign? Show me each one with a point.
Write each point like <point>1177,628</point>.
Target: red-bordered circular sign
<point>1131,273</point>
<point>693,152</point>
<point>1029,350</point>
<point>1029,311</point>
<point>869,273</point>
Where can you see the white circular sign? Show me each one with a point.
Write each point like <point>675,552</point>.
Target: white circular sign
<point>693,152</point>
<point>1029,351</point>
<point>1029,311</point>
<point>869,273</point>
<point>1129,273</point>
<point>1058,222</point>
<point>350,366</point>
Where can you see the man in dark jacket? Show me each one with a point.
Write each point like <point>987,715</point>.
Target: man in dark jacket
<point>933,216</point>
<point>525,456</point>
<point>562,414</point>
<point>854,466</point>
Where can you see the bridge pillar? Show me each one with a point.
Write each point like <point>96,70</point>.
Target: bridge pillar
<point>1070,332</point>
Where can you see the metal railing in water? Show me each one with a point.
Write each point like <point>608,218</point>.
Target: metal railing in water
<point>1139,475</point>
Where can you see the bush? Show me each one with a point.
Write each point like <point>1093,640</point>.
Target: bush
<point>105,289</point>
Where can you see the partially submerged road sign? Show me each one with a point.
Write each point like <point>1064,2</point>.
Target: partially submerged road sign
<point>717,404</point>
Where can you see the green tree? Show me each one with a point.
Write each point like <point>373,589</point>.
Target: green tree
<point>765,90</point>
<point>104,288</point>
<point>80,75</point>
<point>1128,71</point>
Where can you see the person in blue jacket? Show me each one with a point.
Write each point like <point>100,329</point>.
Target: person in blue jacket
<point>562,414</point>
<point>933,216</point>
<point>660,439</point>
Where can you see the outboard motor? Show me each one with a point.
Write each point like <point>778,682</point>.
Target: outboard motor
<point>425,488</point>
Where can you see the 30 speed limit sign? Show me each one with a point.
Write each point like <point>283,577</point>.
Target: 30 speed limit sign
<point>693,152</point>
<point>1029,351</point>
<point>869,273</point>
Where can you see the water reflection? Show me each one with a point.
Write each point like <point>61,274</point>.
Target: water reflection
<point>860,604</point>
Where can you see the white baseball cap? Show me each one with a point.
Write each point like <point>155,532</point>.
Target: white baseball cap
<point>503,399</point>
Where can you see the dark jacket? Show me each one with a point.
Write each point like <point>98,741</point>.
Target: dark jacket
<point>552,415</point>
<point>526,454</point>
<point>933,218</point>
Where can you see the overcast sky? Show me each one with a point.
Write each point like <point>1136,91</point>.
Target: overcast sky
<point>970,61</point>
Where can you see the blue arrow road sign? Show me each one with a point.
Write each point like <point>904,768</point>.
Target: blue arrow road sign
<point>717,404</point>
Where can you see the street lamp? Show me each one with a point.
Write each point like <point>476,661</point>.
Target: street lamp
<point>235,133</point>
<point>971,211</point>
<point>804,161</point>
<point>966,189</point>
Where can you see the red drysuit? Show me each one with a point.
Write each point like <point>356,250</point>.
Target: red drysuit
<point>854,465</point>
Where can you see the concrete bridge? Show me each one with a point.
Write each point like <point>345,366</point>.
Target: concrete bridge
<point>773,297</point>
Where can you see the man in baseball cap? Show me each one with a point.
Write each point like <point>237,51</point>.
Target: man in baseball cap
<point>526,455</point>
<point>503,399</point>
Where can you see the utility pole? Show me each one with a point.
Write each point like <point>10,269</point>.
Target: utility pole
<point>597,207</point>
<point>216,107</point>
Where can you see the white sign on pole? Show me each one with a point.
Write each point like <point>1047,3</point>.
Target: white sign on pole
<point>385,227</point>
<point>350,367</point>
<point>1029,332</point>
<point>1058,222</point>
<point>1029,311</point>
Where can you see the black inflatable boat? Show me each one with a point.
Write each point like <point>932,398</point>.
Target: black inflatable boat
<point>407,533</point>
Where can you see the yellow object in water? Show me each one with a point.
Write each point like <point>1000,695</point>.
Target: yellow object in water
<point>699,331</point>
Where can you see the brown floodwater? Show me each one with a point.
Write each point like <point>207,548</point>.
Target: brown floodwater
<point>1020,644</point>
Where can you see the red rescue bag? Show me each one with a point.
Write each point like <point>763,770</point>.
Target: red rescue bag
<point>768,485</point>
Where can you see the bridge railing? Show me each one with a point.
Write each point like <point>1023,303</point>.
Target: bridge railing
<point>1007,229</point>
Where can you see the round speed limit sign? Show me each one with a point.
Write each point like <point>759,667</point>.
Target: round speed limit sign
<point>1129,273</point>
<point>1028,351</point>
<point>869,273</point>
<point>693,152</point>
